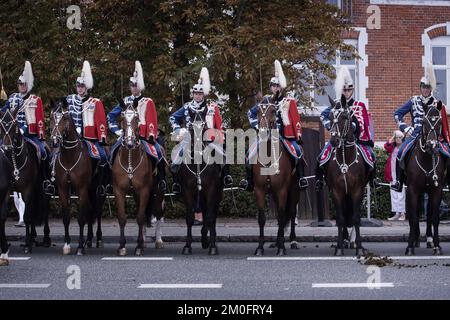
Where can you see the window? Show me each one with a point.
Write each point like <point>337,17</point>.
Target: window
<point>342,58</point>
<point>440,53</point>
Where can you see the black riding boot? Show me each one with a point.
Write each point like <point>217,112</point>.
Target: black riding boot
<point>302,181</point>
<point>398,185</point>
<point>319,177</point>
<point>227,179</point>
<point>176,187</point>
<point>247,183</point>
<point>162,182</point>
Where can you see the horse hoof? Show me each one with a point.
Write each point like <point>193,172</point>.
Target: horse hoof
<point>66,249</point>
<point>281,252</point>
<point>339,252</point>
<point>294,245</point>
<point>159,244</point>
<point>437,251</point>
<point>122,252</point>
<point>430,245</point>
<point>47,242</point>
<point>99,244</point>
<point>27,249</point>
<point>139,252</point>
<point>417,244</point>
<point>80,252</point>
<point>187,250</point>
<point>205,244</point>
<point>4,262</point>
<point>409,251</point>
<point>89,244</point>
<point>352,245</point>
<point>213,251</point>
<point>272,245</point>
<point>259,252</point>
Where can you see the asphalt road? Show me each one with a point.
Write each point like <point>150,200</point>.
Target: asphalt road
<point>233,274</point>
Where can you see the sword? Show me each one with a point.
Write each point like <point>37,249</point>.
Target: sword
<point>3,95</point>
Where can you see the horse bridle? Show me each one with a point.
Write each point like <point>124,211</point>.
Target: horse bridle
<point>56,134</point>
<point>435,120</point>
<point>130,138</point>
<point>264,109</point>
<point>6,128</point>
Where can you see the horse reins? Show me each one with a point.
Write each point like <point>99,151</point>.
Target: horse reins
<point>343,144</point>
<point>11,146</point>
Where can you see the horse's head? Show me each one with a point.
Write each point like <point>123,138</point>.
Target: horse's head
<point>61,123</point>
<point>432,126</point>
<point>9,129</point>
<point>340,118</point>
<point>267,116</point>
<point>130,124</point>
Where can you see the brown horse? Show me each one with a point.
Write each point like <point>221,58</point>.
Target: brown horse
<point>346,175</point>
<point>75,172</point>
<point>201,184</point>
<point>425,167</point>
<point>27,177</point>
<point>132,171</point>
<point>281,183</point>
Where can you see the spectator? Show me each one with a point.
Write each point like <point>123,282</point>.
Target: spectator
<point>397,198</point>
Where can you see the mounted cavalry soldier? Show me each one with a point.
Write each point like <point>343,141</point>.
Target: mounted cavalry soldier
<point>88,115</point>
<point>344,88</point>
<point>148,123</point>
<point>415,106</point>
<point>198,106</point>
<point>288,124</point>
<point>30,117</point>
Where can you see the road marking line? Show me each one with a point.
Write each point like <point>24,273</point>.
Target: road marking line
<point>354,285</point>
<point>180,286</point>
<point>25,285</point>
<point>300,258</point>
<point>19,258</point>
<point>346,258</point>
<point>137,258</point>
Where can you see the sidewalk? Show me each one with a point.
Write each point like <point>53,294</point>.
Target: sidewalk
<point>231,230</point>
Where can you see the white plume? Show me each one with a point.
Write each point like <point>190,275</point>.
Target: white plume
<point>204,80</point>
<point>431,76</point>
<point>27,76</point>
<point>139,74</point>
<point>86,74</point>
<point>343,78</point>
<point>279,74</point>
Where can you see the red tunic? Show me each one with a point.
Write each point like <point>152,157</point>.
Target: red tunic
<point>94,120</point>
<point>148,119</point>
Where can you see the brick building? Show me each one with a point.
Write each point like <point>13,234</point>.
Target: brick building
<point>395,40</point>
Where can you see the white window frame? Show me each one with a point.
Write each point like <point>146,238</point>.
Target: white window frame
<point>443,42</point>
<point>361,80</point>
<point>436,42</point>
<point>412,2</point>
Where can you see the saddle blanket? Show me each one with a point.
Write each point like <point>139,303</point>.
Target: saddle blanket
<point>364,151</point>
<point>155,151</point>
<point>291,146</point>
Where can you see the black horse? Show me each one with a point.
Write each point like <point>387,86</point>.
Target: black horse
<point>27,172</point>
<point>201,183</point>
<point>5,185</point>
<point>425,168</point>
<point>346,175</point>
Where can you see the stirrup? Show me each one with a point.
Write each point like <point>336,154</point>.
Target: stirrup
<point>176,188</point>
<point>228,181</point>
<point>319,185</point>
<point>245,185</point>
<point>101,191</point>
<point>303,183</point>
<point>48,187</point>
<point>396,186</point>
<point>162,186</point>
